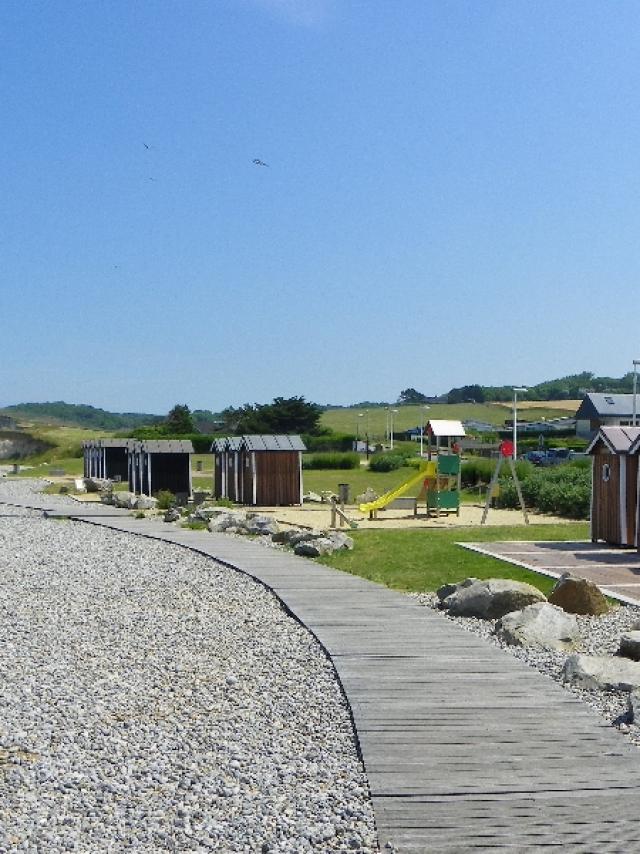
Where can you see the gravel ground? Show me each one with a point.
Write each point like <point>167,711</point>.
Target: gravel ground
<point>599,636</point>
<point>151,700</point>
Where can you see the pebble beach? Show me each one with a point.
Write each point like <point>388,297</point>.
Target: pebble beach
<point>153,700</point>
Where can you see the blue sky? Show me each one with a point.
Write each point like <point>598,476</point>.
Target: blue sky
<point>452,197</point>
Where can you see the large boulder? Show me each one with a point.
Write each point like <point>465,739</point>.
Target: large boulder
<point>125,499</point>
<point>578,596</point>
<point>340,541</point>
<point>602,672</point>
<point>145,502</point>
<point>491,598</point>
<point>226,520</point>
<point>540,625</point>
<point>260,525</point>
<point>312,498</point>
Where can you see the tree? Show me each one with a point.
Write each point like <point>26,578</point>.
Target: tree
<point>474,393</point>
<point>284,415</point>
<point>410,395</point>
<point>179,420</point>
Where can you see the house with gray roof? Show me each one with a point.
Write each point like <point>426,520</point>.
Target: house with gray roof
<point>603,410</point>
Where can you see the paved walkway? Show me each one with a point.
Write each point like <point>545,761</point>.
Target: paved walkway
<point>466,749</point>
<point>615,570</point>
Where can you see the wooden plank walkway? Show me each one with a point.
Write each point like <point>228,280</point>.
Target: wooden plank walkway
<point>466,749</point>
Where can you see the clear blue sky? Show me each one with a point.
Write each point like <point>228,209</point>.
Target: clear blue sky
<point>452,196</point>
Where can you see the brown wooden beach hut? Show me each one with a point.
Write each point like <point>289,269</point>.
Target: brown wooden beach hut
<point>160,464</point>
<point>614,485</point>
<point>259,470</point>
<point>107,458</point>
<point>271,470</point>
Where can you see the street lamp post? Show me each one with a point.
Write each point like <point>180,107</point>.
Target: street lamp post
<point>516,391</point>
<point>391,414</point>
<point>634,420</point>
<point>366,437</point>
<point>424,409</point>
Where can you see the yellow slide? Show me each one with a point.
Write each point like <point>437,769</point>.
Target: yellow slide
<point>429,470</point>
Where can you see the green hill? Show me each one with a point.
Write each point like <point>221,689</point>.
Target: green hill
<point>79,415</point>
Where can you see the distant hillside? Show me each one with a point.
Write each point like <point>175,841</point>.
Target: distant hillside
<point>78,414</point>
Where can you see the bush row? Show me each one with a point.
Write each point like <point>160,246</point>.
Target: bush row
<point>564,491</point>
<point>331,461</point>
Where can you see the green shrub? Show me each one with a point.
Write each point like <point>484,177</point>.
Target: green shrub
<point>480,470</point>
<point>386,462</point>
<point>331,461</point>
<point>224,502</point>
<point>166,499</point>
<point>564,490</point>
<point>329,442</point>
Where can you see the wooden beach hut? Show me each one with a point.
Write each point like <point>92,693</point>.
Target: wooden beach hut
<point>107,458</point>
<point>162,464</point>
<point>271,470</point>
<point>259,470</point>
<point>226,468</point>
<point>614,485</point>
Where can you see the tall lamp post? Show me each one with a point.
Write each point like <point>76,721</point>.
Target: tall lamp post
<point>424,411</point>
<point>391,414</point>
<point>634,420</point>
<point>516,391</point>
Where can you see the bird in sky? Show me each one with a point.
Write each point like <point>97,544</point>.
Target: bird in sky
<point>148,147</point>
<point>259,162</point>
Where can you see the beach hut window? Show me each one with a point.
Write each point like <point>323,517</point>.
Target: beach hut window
<point>606,472</point>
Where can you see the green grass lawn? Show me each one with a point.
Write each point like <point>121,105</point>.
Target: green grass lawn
<point>420,561</point>
<point>348,420</point>
<point>318,480</point>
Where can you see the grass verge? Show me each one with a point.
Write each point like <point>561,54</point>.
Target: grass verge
<point>421,561</point>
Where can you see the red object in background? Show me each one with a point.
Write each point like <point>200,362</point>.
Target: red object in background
<point>455,447</point>
<point>506,448</point>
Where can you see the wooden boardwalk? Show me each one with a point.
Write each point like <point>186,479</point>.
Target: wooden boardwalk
<point>466,749</point>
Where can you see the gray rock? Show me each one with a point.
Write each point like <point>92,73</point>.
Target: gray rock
<point>578,596</point>
<point>306,536</point>
<point>492,598</point>
<point>633,706</point>
<point>228,519</point>
<point>172,514</point>
<point>630,645</point>
<point>285,537</point>
<point>312,498</point>
<point>261,525</point>
<point>145,502</point>
<point>602,672</point>
<point>97,484</point>
<point>447,589</point>
<point>314,548</point>
<point>125,499</point>
<point>542,625</point>
<point>340,540</point>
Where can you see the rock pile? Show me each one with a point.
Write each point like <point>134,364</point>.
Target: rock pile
<point>303,541</point>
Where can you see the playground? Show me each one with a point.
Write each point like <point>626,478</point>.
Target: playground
<point>469,516</point>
